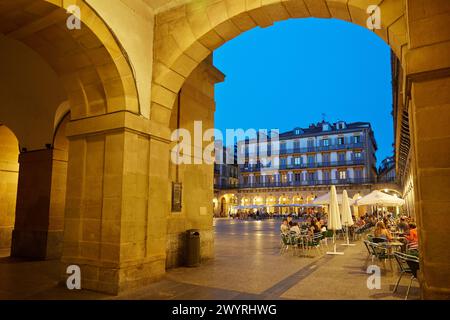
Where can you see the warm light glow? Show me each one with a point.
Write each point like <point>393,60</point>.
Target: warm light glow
<point>385,190</point>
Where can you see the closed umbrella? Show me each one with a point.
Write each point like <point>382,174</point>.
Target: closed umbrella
<point>347,219</point>
<point>334,219</point>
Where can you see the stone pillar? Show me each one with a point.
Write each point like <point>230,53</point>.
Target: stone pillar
<point>195,103</point>
<point>38,228</point>
<point>117,201</point>
<point>427,64</point>
<point>9,171</point>
<point>429,114</point>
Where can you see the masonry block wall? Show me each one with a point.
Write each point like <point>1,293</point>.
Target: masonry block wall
<point>194,103</point>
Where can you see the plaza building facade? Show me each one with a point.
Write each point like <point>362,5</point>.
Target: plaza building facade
<point>386,171</point>
<point>297,166</point>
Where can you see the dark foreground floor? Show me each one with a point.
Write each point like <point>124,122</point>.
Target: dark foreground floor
<point>248,265</point>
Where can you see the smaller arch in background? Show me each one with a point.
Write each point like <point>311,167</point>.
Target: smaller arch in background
<point>9,175</point>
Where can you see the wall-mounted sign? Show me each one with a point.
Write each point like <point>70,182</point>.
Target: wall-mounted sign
<point>176,196</point>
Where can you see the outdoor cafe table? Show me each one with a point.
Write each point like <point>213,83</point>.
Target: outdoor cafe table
<point>393,245</point>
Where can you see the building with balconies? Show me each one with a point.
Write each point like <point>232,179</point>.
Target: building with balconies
<point>296,166</point>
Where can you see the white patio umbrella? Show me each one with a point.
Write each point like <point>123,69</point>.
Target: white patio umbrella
<point>378,198</point>
<point>334,218</point>
<point>325,199</point>
<point>347,219</point>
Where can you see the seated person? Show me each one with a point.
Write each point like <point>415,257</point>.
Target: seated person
<point>289,220</point>
<point>295,228</point>
<point>314,227</point>
<point>382,232</point>
<point>284,228</point>
<point>318,223</point>
<point>360,222</point>
<point>402,226</point>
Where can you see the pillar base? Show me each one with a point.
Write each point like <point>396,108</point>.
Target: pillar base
<point>433,293</point>
<point>35,244</point>
<point>112,279</point>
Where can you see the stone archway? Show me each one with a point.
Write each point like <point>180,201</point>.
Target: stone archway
<point>187,34</point>
<point>99,85</point>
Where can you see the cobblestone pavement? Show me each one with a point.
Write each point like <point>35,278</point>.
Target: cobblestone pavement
<point>248,265</point>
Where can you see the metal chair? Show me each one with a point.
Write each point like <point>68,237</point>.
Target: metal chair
<point>403,267</point>
<point>413,263</point>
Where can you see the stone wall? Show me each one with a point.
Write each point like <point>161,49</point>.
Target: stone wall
<point>194,103</point>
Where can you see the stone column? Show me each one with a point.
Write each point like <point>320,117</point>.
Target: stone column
<point>427,64</point>
<point>429,114</point>
<point>38,228</point>
<point>117,201</point>
<point>195,102</point>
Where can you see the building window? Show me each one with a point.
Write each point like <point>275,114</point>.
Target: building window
<point>326,142</point>
<point>298,177</point>
<point>284,178</point>
<point>310,176</point>
<point>357,155</point>
<point>341,157</point>
<point>296,144</point>
<point>297,161</point>
<point>326,175</point>
<point>297,131</point>
<point>358,173</point>
<point>356,139</point>
<point>310,159</point>
<point>342,175</point>
<point>326,157</point>
<point>341,140</point>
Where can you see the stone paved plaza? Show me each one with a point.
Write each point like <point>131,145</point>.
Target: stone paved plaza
<point>247,265</point>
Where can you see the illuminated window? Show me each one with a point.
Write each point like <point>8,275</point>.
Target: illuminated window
<point>342,175</point>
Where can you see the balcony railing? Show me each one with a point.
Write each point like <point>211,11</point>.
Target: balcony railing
<point>334,147</point>
<point>313,165</point>
<point>297,183</point>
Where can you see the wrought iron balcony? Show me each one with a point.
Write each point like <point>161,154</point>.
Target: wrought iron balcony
<point>305,183</point>
<point>312,165</point>
<point>296,150</point>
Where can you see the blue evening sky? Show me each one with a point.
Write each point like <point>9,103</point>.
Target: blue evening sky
<point>288,74</point>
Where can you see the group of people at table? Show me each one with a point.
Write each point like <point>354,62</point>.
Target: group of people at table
<point>310,226</point>
<point>401,231</point>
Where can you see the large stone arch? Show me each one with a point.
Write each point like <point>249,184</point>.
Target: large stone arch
<point>187,34</point>
<point>417,32</point>
<point>90,63</point>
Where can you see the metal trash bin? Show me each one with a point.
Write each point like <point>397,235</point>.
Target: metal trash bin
<point>193,248</point>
